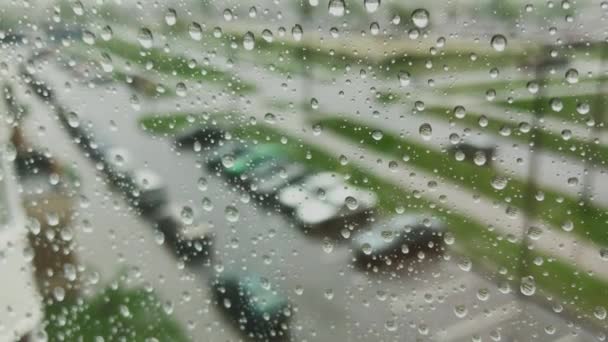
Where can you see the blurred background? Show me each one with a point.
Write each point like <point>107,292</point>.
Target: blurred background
<point>303,170</point>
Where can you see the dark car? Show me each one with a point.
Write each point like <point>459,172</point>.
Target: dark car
<point>192,241</point>
<point>149,193</point>
<point>250,301</point>
<point>476,148</point>
<point>203,135</point>
<point>399,237</point>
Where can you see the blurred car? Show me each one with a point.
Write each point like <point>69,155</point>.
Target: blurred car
<point>149,193</point>
<point>325,199</point>
<point>191,238</point>
<point>252,157</point>
<point>476,148</point>
<point>226,148</point>
<point>259,310</point>
<point>397,237</point>
<point>266,181</point>
<point>205,136</point>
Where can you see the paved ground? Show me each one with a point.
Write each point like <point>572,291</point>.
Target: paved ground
<point>336,300</point>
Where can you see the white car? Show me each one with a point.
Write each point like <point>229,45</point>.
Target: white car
<point>185,231</point>
<point>326,198</point>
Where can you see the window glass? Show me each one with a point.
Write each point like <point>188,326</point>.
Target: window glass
<point>308,170</point>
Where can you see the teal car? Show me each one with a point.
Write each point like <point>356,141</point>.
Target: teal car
<point>249,300</point>
<point>253,157</point>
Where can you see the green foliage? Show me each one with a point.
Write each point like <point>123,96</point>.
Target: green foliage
<point>133,314</point>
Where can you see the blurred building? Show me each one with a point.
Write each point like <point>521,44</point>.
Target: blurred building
<point>20,303</point>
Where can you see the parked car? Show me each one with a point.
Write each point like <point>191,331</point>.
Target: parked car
<point>253,157</point>
<point>227,148</point>
<point>267,180</point>
<point>259,310</point>
<point>476,148</point>
<point>190,239</point>
<point>325,199</point>
<point>398,237</point>
<point>149,193</point>
<point>204,135</point>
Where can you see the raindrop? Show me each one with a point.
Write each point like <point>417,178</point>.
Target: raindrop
<point>171,17</point>
<point>88,37</point>
<point>297,32</point>
<point>196,31</point>
<point>532,87</point>
<point>582,108</point>
<point>232,213</point>
<point>351,203</point>
<point>567,226</point>
<point>499,182</point>
<point>78,8</point>
<point>404,78</point>
<point>512,212</point>
<point>145,38</point>
<point>460,311</point>
<point>599,312</point>
<point>248,41</point>
<point>337,8</point>
<point>460,112</point>
<point>73,120</point>
<point>328,245</point>
<point>572,76</point>
<point>227,14</point>
<point>556,104</point>
<point>270,118</point>
<point>187,215</point>
<point>420,18</point>
<point>499,42</point>
<point>465,264</point>
<point>377,135</point>
<point>181,89</point>
<point>527,286</point>
<point>426,131</point>
<point>267,35</point>
<point>371,5</point>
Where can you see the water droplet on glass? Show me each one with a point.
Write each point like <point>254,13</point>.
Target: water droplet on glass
<point>337,8</point>
<point>426,131</point>
<point>499,42</point>
<point>572,76</point>
<point>73,120</point>
<point>232,213</point>
<point>371,5</point>
<point>461,311</point>
<point>145,38</point>
<point>404,78</point>
<point>556,104</point>
<point>187,215</point>
<point>88,37</point>
<point>267,35</point>
<point>195,30</point>
<point>460,112</point>
<point>249,41</point>
<point>420,18</point>
<point>499,182</point>
<point>351,203</point>
<point>527,286</point>
<point>297,32</point>
<point>171,17</point>
<point>377,135</point>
